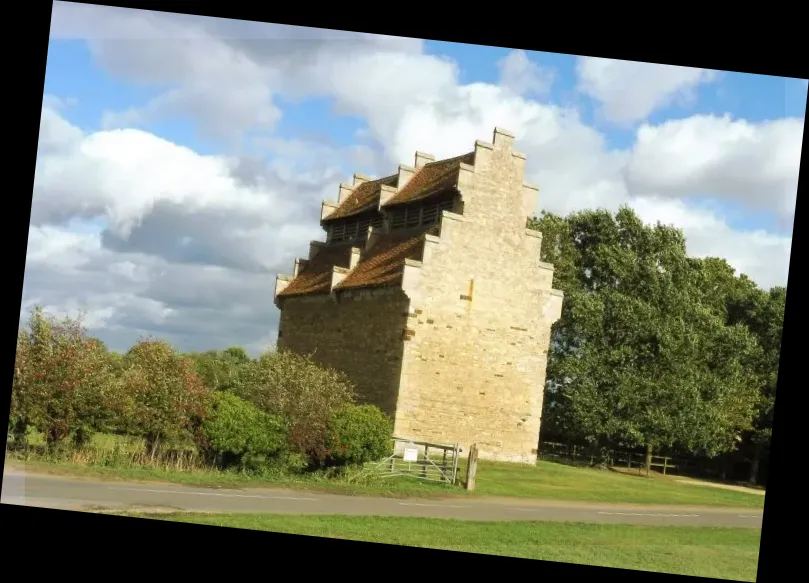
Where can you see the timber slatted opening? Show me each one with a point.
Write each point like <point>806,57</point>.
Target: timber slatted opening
<point>434,462</point>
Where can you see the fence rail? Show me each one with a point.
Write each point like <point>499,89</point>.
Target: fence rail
<point>611,457</point>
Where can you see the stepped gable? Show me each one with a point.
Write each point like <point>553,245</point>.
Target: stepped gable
<point>431,179</point>
<point>383,264</point>
<point>363,197</point>
<point>315,277</point>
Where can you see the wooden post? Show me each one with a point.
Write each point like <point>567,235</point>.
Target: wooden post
<point>426,461</point>
<point>665,464</point>
<point>472,467</point>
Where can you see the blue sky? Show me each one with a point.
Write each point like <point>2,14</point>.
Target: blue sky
<point>73,74</point>
<point>115,210</point>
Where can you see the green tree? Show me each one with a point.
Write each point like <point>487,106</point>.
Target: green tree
<point>764,315</point>
<point>61,380</point>
<point>640,356</point>
<point>216,373</point>
<point>357,434</point>
<point>740,301</point>
<point>304,393</point>
<point>236,355</point>
<point>237,433</point>
<point>161,396</point>
<point>220,369</point>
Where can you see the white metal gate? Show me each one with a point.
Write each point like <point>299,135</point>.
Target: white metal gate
<point>436,462</point>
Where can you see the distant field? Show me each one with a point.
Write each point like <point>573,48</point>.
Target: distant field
<point>697,551</point>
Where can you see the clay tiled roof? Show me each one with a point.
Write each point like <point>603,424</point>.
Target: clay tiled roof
<point>364,197</point>
<point>315,278</point>
<point>384,263</point>
<point>431,179</point>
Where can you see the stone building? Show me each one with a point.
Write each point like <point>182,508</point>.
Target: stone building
<point>430,295</point>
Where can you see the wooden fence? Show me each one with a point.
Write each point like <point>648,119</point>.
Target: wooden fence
<point>611,457</point>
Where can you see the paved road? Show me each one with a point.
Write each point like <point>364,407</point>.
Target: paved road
<point>83,494</point>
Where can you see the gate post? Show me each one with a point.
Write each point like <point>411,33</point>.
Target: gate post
<point>472,467</point>
<point>455,453</point>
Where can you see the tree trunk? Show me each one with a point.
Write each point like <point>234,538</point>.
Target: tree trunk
<point>53,437</point>
<point>648,461</point>
<point>594,453</point>
<point>754,465</point>
<point>19,432</point>
<point>152,444</point>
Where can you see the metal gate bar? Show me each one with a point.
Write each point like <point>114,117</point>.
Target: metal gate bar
<point>413,459</point>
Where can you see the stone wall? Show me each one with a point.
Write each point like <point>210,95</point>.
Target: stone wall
<point>480,316</point>
<point>361,336</point>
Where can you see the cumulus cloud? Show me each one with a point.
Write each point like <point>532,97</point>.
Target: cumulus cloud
<point>630,91</point>
<point>763,256</point>
<point>523,76</point>
<point>222,73</point>
<point>126,295</point>
<point>756,164</point>
<point>162,198</point>
<point>151,237</point>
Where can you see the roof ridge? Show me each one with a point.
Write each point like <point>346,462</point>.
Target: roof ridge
<point>446,160</point>
<point>377,180</point>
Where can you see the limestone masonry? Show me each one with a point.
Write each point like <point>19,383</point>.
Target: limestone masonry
<point>430,295</point>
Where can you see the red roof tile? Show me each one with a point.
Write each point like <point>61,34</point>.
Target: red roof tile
<point>431,179</point>
<point>315,277</point>
<point>365,196</point>
<point>384,263</point>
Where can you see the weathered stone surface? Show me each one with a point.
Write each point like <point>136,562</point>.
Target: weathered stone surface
<point>457,352</point>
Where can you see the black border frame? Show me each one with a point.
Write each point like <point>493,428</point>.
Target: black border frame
<point>76,540</point>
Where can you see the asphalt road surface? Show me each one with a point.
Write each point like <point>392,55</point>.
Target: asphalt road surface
<point>20,488</point>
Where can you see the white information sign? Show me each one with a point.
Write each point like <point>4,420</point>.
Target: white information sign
<point>411,453</point>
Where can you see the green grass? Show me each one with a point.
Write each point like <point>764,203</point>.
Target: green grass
<point>558,481</point>
<point>546,480</point>
<point>725,553</point>
<point>211,478</point>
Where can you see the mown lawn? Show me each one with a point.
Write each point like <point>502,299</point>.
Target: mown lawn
<point>725,553</point>
<point>547,480</point>
<point>558,481</point>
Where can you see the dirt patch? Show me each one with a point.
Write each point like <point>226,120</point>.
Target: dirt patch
<point>689,481</point>
<point>138,510</point>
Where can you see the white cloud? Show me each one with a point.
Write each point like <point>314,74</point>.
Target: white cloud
<point>136,181</point>
<point>223,73</point>
<point>756,164</point>
<point>630,91</point>
<point>762,255</point>
<point>193,242</point>
<point>523,76</point>
<point>189,250</point>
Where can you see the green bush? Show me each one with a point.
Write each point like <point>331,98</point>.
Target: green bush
<point>61,380</point>
<point>160,397</point>
<point>303,392</point>
<point>236,433</point>
<point>357,434</point>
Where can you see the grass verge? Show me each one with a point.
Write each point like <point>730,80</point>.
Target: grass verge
<point>558,481</point>
<point>214,478</point>
<point>546,480</point>
<point>724,553</point>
